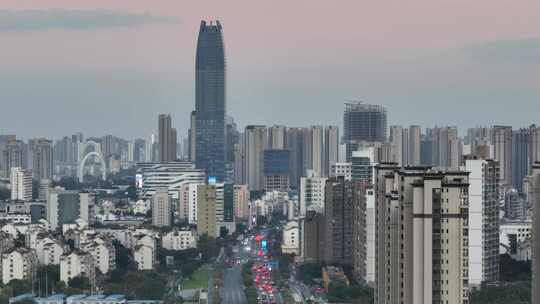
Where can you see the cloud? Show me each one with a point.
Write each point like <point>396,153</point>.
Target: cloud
<point>34,20</point>
<point>504,51</point>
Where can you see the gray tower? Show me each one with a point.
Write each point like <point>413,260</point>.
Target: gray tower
<point>363,123</point>
<point>210,101</point>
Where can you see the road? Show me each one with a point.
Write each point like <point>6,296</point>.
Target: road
<point>232,291</point>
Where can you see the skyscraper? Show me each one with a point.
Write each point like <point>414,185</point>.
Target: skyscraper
<point>535,199</point>
<point>42,158</point>
<point>167,139</point>
<point>210,106</point>
<point>21,184</point>
<point>363,123</point>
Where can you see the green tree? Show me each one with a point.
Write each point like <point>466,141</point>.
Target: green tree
<point>80,282</point>
<point>19,287</point>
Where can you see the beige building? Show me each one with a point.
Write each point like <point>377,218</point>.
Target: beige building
<point>422,252</point>
<point>49,251</point>
<point>161,208</point>
<point>179,240</point>
<point>206,211</point>
<point>241,202</point>
<point>291,238</point>
<point>103,252</point>
<point>19,264</point>
<point>77,263</point>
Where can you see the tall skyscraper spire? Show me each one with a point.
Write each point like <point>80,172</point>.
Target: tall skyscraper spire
<point>210,106</point>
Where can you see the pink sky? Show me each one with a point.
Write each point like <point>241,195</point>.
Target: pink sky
<point>280,53</point>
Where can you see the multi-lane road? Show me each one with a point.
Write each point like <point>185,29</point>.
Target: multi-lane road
<point>232,291</point>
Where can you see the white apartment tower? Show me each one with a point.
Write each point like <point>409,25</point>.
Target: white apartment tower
<point>161,208</point>
<point>483,221</point>
<point>21,184</point>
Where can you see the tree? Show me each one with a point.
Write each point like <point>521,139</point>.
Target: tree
<point>19,287</point>
<point>80,282</point>
<point>48,277</point>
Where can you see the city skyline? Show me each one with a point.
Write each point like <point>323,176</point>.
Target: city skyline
<point>135,60</point>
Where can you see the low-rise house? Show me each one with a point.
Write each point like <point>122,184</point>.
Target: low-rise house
<point>19,264</point>
<point>333,274</point>
<point>144,257</point>
<point>179,240</point>
<point>103,252</point>
<point>77,263</point>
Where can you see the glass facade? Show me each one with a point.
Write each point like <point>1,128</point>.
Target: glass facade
<point>210,106</point>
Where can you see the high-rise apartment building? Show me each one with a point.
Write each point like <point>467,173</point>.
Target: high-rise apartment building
<point>13,154</point>
<point>405,145</point>
<point>422,252</point>
<point>277,137</point>
<point>66,206</point>
<point>331,148</point>
<point>363,123</point>
<point>167,139</point>
<point>161,208</point>
<point>21,184</point>
<point>502,145</point>
<point>483,221</point>
<point>41,156</point>
<point>210,105</point>
<point>344,214</point>
<point>312,193</point>
<point>534,181</point>
<point>206,211</point>
<point>255,139</point>
<point>241,202</point>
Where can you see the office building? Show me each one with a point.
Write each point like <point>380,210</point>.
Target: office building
<point>276,170</point>
<point>363,123</point>
<point>362,163</point>
<point>170,175</point>
<point>255,139</point>
<point>161,208</point>
<point>422,252</point>
<point>66,206</point>
<point>483,221</point>
<point>21,184</point>
<point>210,104</point>
<point>341,169</point>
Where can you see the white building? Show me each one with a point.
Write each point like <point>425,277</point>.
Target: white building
<point>102,251</point>
<point>179,240</point>
<point>143,256</point>
<point>483,221</point>
<point>49,251</point>
<point>77,263</point>
<point>341,169</point>
<point>141,207</point>
<point>370,235</point>
<point>291,238</point>
<point>65,207</point>
<point>170,175</point>
<point>19,264</point>
<point>21,184</point>
<point>515,232</point>
<point>312,193</point>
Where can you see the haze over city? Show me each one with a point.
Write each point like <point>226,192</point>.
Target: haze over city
<point>433,62</point>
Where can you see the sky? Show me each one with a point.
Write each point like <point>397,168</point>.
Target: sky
<point>111,66</point>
